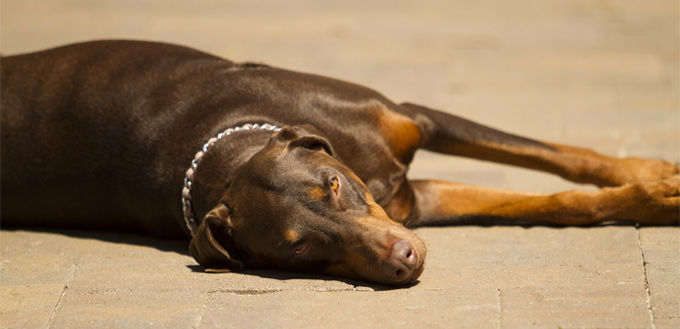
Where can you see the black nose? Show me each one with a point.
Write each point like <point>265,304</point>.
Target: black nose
<point>401,262</point>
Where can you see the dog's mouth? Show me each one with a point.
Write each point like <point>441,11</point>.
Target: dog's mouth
<point>419,268</point>
<point>416,274</point>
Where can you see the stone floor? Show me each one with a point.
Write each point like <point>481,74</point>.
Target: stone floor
<point>600,74</point>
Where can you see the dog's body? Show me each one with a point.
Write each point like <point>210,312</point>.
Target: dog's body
<point>100,135</point>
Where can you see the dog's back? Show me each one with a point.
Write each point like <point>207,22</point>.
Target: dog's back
<point>75,134</point>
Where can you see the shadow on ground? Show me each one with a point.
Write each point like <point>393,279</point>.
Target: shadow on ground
<point>180,246</point>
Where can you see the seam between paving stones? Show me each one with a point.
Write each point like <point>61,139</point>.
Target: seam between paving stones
<point>648,289</point>
<point>498,306</point>
<point>202,313</point>
<point>63,294</point>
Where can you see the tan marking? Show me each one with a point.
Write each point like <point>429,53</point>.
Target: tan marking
<point>378,212</point>
<point>368,196</point>
<point>358,264</point>
<point>401,133</point>
<point>316,193</point>
<point>587,166</point>
<point>401,205</point>
<point>572,163</point>
<point>291,235</point>
<point>441,202</point>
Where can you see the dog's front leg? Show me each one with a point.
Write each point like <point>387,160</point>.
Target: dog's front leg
<point>444,203</point>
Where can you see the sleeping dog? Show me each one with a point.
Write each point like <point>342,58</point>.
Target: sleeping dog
<point>264,167</point>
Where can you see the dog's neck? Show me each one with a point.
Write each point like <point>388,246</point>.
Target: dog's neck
<point>215,165</point>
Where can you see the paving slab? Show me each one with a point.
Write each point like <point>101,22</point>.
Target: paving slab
<point>463,307</point>
<point>510,256</point>
<point>570,306</point>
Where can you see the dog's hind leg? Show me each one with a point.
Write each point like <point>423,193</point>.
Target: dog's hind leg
<point>446,133</point>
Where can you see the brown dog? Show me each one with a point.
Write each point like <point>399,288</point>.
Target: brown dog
<point>290,170</point>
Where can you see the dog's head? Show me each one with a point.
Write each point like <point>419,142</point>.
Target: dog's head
<point>294,205</point>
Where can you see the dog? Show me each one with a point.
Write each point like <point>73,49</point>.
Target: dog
<point>264,167</point>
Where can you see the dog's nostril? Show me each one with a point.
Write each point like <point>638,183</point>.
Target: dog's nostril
<point>403,250</point>
<point>401,261</point>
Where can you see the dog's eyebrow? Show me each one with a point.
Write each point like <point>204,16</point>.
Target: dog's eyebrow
<point>291,236</point>
<point>316,193</point>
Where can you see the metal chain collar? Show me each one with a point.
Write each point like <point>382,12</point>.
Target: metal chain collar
<point>186,191</point>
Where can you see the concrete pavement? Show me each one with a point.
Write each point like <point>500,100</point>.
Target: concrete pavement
<point>476,277</point>
<point>598,74</point>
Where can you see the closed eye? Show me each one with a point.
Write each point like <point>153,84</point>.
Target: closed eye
<point>301,249</point>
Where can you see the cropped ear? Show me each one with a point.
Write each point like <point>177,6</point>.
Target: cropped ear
<point>305,136</point>
<point>212,241</point>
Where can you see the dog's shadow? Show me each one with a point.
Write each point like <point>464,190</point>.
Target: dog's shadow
<point>181,246</point>
<point>287,276</point>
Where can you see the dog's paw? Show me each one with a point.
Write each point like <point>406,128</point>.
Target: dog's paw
<point>654,203</point>
<point>638,170</point>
